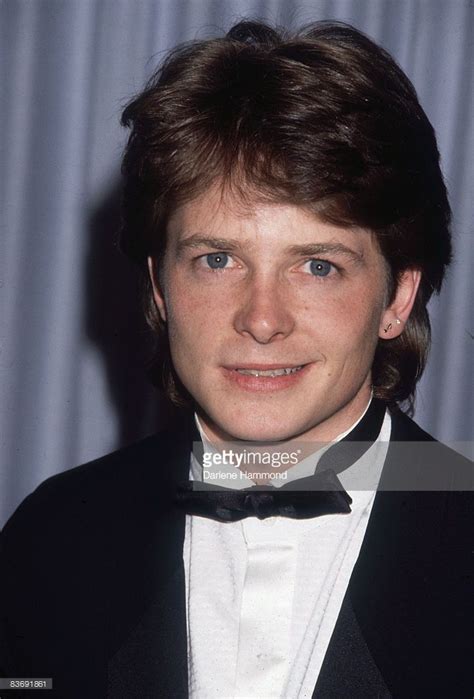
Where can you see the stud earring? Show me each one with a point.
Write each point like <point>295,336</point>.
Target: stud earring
<point>387,327</point>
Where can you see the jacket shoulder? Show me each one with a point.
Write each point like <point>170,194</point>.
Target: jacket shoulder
<point>122,480</point>
<point>420,462</point>
<point>70,554</point>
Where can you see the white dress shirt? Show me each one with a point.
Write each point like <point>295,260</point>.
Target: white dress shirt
<point>263,596</point>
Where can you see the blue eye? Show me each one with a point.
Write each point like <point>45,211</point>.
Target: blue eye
<point>217,260</point>
<point>320,268</point>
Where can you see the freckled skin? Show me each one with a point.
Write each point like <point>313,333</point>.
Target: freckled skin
<point>265,304</point>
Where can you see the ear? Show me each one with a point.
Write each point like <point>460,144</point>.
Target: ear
<point>396,315</point>
<point>157,292</point>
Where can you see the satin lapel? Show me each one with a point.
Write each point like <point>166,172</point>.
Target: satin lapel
<point>151,660</point>
<point>349,669</point>
<point>377,631</point>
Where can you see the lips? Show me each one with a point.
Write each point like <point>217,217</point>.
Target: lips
<point>265,377</point>
<point>253,366</point>
<point>284,371</point>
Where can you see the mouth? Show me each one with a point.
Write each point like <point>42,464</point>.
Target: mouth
<point>265,377</point>
<point>280,371</point>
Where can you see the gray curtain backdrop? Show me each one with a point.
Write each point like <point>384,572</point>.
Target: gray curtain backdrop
<point>73,346</point>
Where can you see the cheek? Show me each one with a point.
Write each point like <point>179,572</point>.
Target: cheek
<point>193,317</point>
<point>345,324</point>
<point>190,297</point>
<point>362,338</point>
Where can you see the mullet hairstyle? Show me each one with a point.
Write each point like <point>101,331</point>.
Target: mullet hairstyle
<point>322,118</point>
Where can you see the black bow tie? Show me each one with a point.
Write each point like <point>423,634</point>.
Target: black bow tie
<point>319,494</point>
<point>327,496</point>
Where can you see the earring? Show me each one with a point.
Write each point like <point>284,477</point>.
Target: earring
<point>387,327</point>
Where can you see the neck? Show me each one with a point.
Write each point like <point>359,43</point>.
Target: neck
<point>280,457</point>
<point>336,431</point>
<point>330,429</point>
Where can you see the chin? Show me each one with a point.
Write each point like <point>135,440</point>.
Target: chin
<point>258,431</point>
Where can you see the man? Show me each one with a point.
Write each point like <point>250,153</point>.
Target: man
<point>285,197</point>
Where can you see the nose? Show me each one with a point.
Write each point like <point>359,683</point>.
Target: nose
<point>264,312</point>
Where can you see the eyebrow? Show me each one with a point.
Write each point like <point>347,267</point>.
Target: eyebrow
<point>312,249</point>
<point>232,245</point>
<point>199,241</point>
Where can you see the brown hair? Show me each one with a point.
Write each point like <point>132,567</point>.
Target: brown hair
<point>323,118</point>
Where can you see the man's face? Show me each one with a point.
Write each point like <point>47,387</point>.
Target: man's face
<point>268,288</point>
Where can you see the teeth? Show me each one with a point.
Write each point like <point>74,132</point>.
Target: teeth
<point>269,372</point>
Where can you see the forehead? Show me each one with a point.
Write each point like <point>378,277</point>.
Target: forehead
<point>255,222</point>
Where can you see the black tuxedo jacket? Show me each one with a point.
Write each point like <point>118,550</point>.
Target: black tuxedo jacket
<point>93,595</point>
